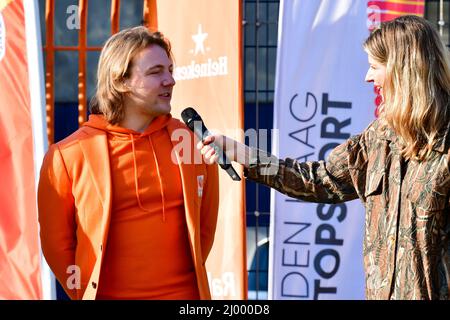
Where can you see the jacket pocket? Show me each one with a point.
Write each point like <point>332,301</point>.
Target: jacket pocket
<point>429,189</point>
<point>426,199</point>
<point>374,184</point>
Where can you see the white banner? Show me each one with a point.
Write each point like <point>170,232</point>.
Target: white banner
<point>320,100</point>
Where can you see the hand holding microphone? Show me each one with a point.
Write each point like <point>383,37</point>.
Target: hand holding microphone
<point>209,152</point>
<point>212,149</point>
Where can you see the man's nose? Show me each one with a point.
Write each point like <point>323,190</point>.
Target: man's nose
<point>169,80</point>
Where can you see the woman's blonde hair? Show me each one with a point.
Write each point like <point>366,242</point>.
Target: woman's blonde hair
<point>114,67</point>
<point>417,83</point>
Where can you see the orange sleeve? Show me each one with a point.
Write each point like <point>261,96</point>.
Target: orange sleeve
<point>209,209</point>
<point>57,217</point>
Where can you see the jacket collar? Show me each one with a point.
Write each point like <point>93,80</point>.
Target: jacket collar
<point>443,142</point>
<point>386,133</point>
<point>94,146</point>
<point>95,150</point>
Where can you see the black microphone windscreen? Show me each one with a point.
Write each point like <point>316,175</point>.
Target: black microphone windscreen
<point>188,114</point>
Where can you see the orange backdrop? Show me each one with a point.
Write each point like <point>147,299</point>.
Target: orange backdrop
<point>206,41</point>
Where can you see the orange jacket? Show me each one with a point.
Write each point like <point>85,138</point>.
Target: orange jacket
<point>74,200</point>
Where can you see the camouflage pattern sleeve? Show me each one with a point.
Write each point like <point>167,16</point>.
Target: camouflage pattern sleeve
<point>448,184</point>
<point>341,178</point>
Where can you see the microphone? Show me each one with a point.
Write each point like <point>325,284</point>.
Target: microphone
<point>194,122</point>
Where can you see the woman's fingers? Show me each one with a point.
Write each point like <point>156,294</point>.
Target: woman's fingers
<point>209,154</point>
<point>208,140</point>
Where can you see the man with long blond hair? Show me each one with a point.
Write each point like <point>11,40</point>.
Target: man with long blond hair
<point>122,215</point>
<point>398,166</point>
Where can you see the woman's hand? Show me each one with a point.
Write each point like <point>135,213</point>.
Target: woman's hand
<point>208,152</point>
<point>235,151</point>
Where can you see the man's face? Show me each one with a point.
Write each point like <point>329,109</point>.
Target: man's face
<point>150,82</point>
<point>376,74</point>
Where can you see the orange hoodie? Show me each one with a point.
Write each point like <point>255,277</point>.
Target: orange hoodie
<point>147,254</point>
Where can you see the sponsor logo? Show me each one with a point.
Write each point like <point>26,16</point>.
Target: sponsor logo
<point>2,37</point>
<point>200,182</point>
<point>199,40</point>
<point>207,66</point>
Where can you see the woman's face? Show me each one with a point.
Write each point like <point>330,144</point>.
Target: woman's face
<point>376,74</point>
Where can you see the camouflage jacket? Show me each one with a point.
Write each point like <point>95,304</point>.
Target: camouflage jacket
<point>407,225</point>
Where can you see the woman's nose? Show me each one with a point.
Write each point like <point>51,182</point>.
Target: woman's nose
<point>369,77</point>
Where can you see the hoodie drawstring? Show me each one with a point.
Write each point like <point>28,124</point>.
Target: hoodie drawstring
<point>136,183</point>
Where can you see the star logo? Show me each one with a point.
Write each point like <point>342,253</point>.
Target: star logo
<point>199,40</point>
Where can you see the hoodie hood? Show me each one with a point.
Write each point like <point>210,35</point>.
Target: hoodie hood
<point>99,122</point>
<point>159,123</point>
